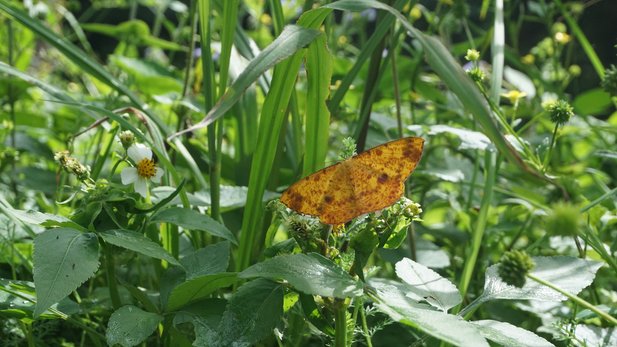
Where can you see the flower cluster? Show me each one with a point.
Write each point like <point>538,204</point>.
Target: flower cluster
<point>72,165</point>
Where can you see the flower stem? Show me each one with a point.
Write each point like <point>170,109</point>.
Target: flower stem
<point>576,299</point>
<point>547,158</point>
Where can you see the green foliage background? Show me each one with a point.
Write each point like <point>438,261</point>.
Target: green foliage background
<point>238,100</point>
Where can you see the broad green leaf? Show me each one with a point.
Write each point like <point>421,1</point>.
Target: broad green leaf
<point>568,273</point>
<point>130,325</point>
<point>468,139</point>
<point>592,102</point>
<point>45,219</point>
<point>449,328</point>
<point>150,77</point>
<point>199,288</point>
<point>193,220</point>
<point>211,259</point>
<point>137,242</point>
<point>310,274</point>
<point>508,335</point>
<point>252,313</point>
<point>426,284</point>
<point>63,259</point>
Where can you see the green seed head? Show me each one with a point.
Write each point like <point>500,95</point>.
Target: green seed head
<point>563,220</point>
<point>609,82</point>
<point>514,266</point>
<point>560,112</point>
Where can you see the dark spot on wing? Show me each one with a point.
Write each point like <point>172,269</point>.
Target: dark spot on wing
<point>382,178</point>
<point>328,199</point>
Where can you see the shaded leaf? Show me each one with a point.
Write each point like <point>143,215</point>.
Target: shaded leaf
<point>63,259</point>
<point>208,260</point>
<point>310,274</point>
<point>137,242</point>
<point>509,335</point>
<point>193,220</point>
<point>199,288</point>
<point>130,325</point>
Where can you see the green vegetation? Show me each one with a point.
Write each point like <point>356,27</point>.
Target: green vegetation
<point>145,145</point>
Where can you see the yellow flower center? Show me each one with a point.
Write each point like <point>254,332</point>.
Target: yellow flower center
<point>146,168</point>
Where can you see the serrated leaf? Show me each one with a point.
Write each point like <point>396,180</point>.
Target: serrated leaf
<point>590,335</point>
<point>130,325</point>
<point>137,242</point>
<point>509,335</point>
<point>198,288</point>
<point>252,313</point>
<point>426,284</point>
<point>193,220</point>
<point>449,328</point>
<point>63,259</point>
<point>208,260</point>
<point>45,219</point>
<point>310,274</point>
<point>568,273</point>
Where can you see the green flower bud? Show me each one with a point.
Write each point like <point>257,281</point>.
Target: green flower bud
<point>127,138</point>
<point>563,219</point>
<point>349,148</point>
<point>476,74</point>
<point>558,27</point>
<point>472,55</point>
<point>574,70</point>
<point>560,112</point>
<point>514,266</point>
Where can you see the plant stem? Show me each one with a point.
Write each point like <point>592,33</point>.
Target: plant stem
<point>547,158</point>
<point>111,276</point>
<point>340,323</point>
<point>480,226</point>
<point>576,299</point>
<point>365,326</point>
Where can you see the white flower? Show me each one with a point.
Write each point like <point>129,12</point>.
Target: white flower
<point>144,169</point>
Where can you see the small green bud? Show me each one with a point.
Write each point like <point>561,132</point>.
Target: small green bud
<point>514,266</point>
<point>472,55</point>
<point>558,27</point>
<point>574,70</point>
<point>563,219</point>
<point>412,210</point>
<point>349,148</point>
<point>127,138</point>
<point>476,74</point>
<point>609,82</point>
<point>560,112</point>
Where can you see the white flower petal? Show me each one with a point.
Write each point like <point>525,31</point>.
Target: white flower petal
<point>129,175</point>
<point>141,187</point>
<point>157,175</point>
<point>139,152</point>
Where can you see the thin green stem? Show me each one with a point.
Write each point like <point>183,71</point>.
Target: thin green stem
<point>576,299</point>
<point>365,332</point>
<point>547,158</point>
<point>480,226</point>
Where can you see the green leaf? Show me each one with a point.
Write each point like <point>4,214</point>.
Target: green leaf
<point>318,75</point>
<point>198,288</point>
<point>63,259</point>
<point>45,219</point>
<point>18,300</point>
<point>568,273</point>
<point>426,284</point>
<point>252,313</point>
<point>137,242</point>
<point>592,102</point>
<point>394,302</point>
<point>468,139</point>
<point>193,220</point>
<point>509,335</point>
<point>150,77</point>
<point>292,39</point>
<point>130,325</point>
<point>208,260</point>
<point>310,274</point>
